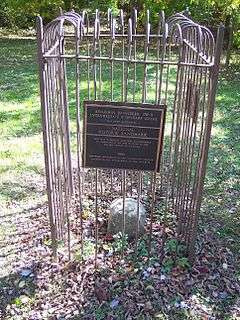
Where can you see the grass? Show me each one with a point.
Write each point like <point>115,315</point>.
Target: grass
<point>20,124</point>
<point>21,152</point>
<point>222,185</point>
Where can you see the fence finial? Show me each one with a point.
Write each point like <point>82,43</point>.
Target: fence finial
<point>135,16</point>
<point>187,13</point>
<point>129,30</point>
<point>121,18</point>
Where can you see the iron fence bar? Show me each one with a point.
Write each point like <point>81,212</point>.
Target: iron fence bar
<point>65,171</point>
<point>49,69</point>
<point>175,116</point>
<point>184,138</point>
<point>118,35</point>
<point>54,112</point>
<point>146,50</point>
<point>59,173</point>
<point>66,150</point>
<point>165,53</point>
<point>67,129</point>
<point>152,209</point>
<point>206,142</point>
<point>201,55</point>
<point>134,32</point>
<point>129,53</point>
<point>139,192</point>
<point>198,157</point>
<point>167,78</point>
<point>162,65</point>
<point>170,168</point>
<point>111,53</point>
<point>91,173</point>
<point>88,61</point>
<point>95,46</point>
<point>112,28</point>
<point>191,156</point>
<point>161,28</point>
<point>100,89</point>
<point>60,141</point>
<point>180,125</point>
<point>100,67</point>
<point>186,213</point>
<point>53,150</point>
<point>79,135</point>
<point>192,211</point>
<point>122,60</point>
<point>183,127</point>
<point>144,97</point>
<point>123,209</point>
<point>96,217</point>
<point>189,135</point>
<point>39,26</point>
<point>122,35</point>
<point>53,48</point>
<point>51,176</point>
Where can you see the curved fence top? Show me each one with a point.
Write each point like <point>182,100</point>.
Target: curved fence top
<point>190,42</point>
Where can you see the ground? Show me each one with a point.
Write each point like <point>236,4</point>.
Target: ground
<point>32,286</point>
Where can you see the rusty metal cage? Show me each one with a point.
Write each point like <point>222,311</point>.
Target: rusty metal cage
<point>103,57</point>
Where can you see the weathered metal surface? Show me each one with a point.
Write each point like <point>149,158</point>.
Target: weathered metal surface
<point>112,61</point>
<point>123,135</point>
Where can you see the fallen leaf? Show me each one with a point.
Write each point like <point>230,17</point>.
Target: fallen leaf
<point>25,272</point>
<point>101,293</point>
<point>114,303</point>
<point>21,284</point>
<point>148,306</point>
<point>225,266</point>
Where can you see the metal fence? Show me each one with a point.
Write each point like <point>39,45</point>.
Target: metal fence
<point>102,57</point>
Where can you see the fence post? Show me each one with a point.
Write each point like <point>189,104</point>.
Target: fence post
<point>39,30</point>
<point>204,154</point>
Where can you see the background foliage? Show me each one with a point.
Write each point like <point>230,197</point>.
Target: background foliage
<point>22,13</point>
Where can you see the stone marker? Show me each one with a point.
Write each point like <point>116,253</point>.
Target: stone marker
<point>115,220</point>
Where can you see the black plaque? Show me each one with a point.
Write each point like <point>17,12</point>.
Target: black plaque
<point>123,135</point>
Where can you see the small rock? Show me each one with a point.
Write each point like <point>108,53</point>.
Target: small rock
<point>24,299</point>
<point>225,266</point>
<point>150,288</point>
<point>223,295</point>
<point>131,217</point>
<point>145,274</point>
